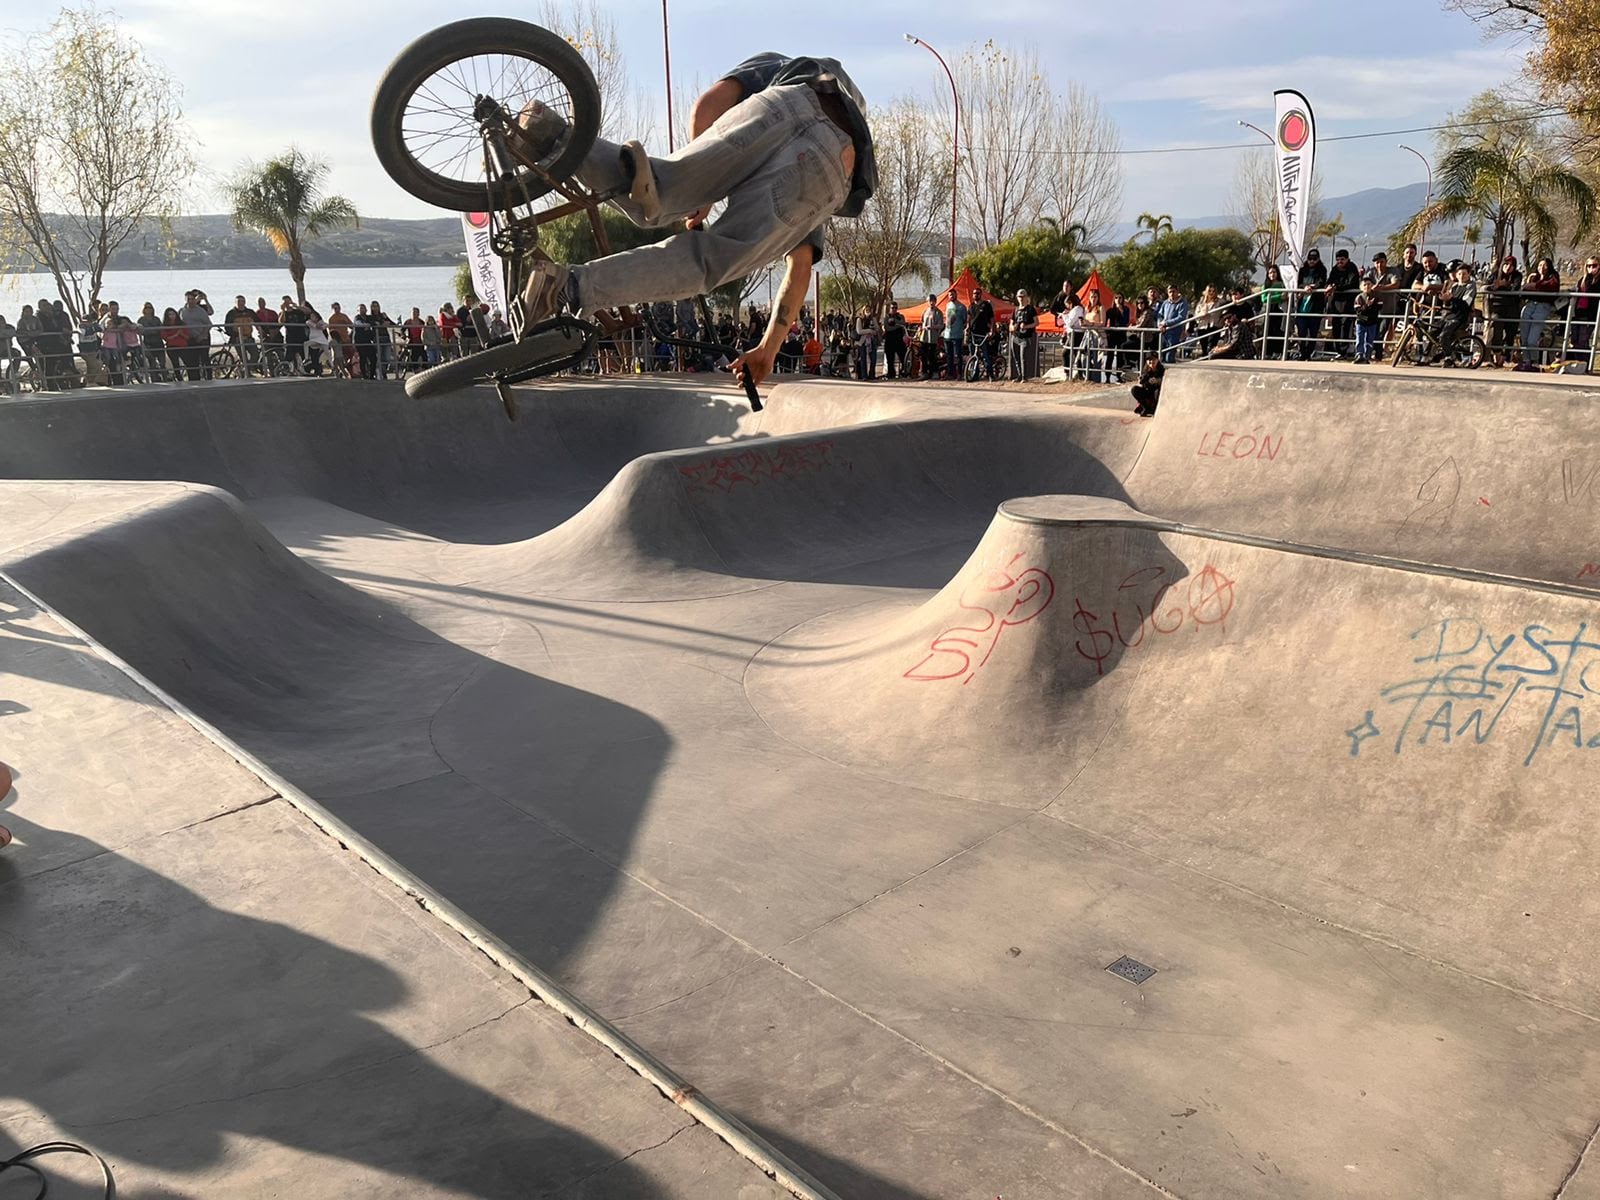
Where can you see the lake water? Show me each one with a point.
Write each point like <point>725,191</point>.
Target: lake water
<point>398,289</point>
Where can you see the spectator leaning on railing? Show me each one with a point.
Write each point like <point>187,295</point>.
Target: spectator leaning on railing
<point>1586,305</point>
<point>1543,283</point>
<point>1504,305</point>
<point>1343,281</point>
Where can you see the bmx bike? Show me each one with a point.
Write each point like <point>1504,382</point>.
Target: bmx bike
<point>1420,342</point>
<point>445,128</point>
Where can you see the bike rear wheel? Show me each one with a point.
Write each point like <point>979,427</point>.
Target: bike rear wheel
<point>424,127</point>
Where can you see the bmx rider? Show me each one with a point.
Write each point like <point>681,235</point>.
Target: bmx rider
<point>784,140</point>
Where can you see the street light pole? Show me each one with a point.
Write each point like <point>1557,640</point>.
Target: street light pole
<point>666,53</point>
<point>1274,233</point>
<point>1426,166</point>
<point>955,143</point>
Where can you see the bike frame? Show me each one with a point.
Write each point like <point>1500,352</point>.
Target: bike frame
<point>514,234</point>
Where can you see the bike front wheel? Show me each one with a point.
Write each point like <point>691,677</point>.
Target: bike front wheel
<point>425,114</point>
<point>1470,352</point>
<point>1403,344</point>
<point>539,353</point>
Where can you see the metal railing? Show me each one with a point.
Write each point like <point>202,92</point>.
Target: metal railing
<point>1546,328</point>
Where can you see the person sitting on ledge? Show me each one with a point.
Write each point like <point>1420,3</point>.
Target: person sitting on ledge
<point>1237,340</point>
<point>1148,390</point>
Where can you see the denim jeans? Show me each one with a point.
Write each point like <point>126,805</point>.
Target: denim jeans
<point>773,156</point>
<point>1366,338</point>
<point>1534,315</point>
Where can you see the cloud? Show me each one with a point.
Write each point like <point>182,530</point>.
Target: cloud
<point>1342,88</point>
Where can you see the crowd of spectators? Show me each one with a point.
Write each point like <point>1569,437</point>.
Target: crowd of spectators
<point>1528,320</point>
<point>201,340</point>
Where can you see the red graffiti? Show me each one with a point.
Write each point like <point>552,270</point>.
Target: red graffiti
<point>756,466</point>
<point>1002,597</point>
<point>1588,570</point>
<point>1207,600</point>
<point>1249,444</point>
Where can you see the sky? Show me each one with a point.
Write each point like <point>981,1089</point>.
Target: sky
<point>1170,73</point>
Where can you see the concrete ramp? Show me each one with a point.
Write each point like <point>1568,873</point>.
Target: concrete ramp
<point>1207,822</point>
<point>1491,472</point>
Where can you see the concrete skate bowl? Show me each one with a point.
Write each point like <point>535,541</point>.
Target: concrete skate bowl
<point>839,790</point>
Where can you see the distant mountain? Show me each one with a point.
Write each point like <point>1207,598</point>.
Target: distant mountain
<point>1370,216</point>
<point>211,241</point>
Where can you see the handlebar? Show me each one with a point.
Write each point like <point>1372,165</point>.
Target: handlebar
<point>714,348</point>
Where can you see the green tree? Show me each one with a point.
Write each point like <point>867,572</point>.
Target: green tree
<point>283,200</point>
<point>92,146</point>
<point>570,239</point>
<point>1037,258</point>
<point>1190,258</point>
<point>1562,66</point>
<point>461,284</point>
<point>1507,186</point>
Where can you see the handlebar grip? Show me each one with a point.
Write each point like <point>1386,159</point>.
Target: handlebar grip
<point>750,391</point>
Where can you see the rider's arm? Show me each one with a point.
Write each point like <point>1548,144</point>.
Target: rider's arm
<point>714,101</point>
<point>785,311</point>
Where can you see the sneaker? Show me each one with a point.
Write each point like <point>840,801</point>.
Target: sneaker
<point>545,292</point>
<point>642,187</point>
<point>543,129</point>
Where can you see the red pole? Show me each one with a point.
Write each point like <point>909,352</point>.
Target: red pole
<point>955,145</point>
<point>666,53</point>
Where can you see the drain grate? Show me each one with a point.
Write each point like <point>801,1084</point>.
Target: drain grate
<point>1131,969</point>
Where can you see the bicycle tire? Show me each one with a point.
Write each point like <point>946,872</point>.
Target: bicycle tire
<point>1471,352</point>
<point>223,364</point>
<point>434,51</point>
<point>498,358</point>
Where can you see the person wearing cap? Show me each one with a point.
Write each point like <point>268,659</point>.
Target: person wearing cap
<point>1311,283</point>
<point>1460,301</point>
<point>1385,280</point>
<point>1505,306</point>
<point>1343,281</point>
<point>1024,337</point>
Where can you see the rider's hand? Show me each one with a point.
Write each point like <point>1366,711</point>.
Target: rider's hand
<point>697,218</point>
<point>756,362</point>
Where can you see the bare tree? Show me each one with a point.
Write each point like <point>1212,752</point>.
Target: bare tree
<point>592,31</point>
<point>92,145</point>
<point>1084,174</point>
<point>891,238</point>
<point>1253,204</point>
<point>1006,119</point>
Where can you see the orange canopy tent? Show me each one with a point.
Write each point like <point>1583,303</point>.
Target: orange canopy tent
<point>964,286</point>
<point>1095,284</point>
<point>1048,322</point>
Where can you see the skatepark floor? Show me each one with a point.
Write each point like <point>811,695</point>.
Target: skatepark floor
<point>968,795</point>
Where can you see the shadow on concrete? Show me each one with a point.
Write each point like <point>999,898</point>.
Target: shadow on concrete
<point>160,1029</point>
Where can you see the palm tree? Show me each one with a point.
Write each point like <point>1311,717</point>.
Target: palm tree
<point>1504,187</point>
<point>283,200</point>
<point>1156,225</point>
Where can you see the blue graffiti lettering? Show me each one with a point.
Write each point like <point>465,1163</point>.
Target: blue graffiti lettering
<point>1472,677</point>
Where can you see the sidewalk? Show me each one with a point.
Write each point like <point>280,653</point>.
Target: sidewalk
<point>201,986</point>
